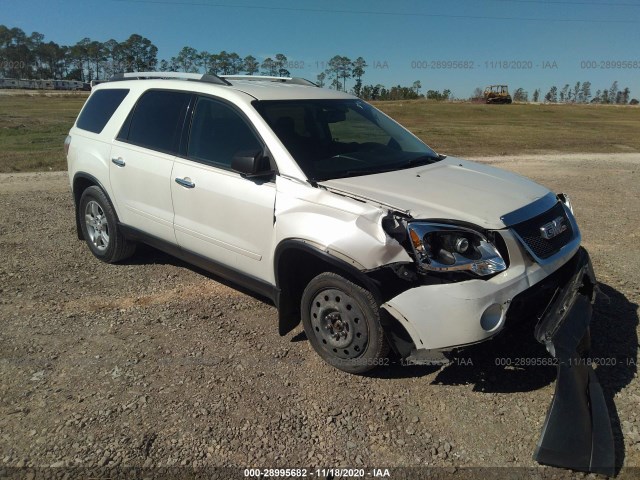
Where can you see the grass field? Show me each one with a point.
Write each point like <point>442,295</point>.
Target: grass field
<point>33,128</point>
<point>466,129</point>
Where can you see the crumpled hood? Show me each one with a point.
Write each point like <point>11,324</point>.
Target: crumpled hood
<point>449,189</point>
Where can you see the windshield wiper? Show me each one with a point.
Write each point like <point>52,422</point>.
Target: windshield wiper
<point>423,160</point>
<point>416,162</point>
<point>356,173</point>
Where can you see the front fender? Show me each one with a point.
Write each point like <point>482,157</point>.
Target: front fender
<point>297,261</point>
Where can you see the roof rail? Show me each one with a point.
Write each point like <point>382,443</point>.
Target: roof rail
<point>291,80</point>
<point>198,77</point>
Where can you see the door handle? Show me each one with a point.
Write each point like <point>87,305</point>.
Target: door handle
<point>185,182</point>
<point>118,161</point>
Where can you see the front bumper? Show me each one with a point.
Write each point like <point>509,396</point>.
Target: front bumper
<point>577,431</point>
<point>446,316</point>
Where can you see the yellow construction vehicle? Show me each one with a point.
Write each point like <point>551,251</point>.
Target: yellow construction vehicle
<point>497,94</point>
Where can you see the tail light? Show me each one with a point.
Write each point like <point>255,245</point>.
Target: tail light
<point>67,142</point>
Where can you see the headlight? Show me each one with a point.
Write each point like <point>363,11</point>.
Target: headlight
<point>449,248</point>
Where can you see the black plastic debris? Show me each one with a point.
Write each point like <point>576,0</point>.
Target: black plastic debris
<point>577,431</point>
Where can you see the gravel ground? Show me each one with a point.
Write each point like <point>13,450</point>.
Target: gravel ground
<point>153,363</point>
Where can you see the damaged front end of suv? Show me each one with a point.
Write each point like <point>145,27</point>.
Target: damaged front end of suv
<point>577,431</point>
<point>464,283</point>
<point>440,252</point>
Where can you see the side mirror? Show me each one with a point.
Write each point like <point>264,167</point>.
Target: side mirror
<point>251,163</point>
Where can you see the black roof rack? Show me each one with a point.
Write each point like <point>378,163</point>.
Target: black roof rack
<point>197,77</point>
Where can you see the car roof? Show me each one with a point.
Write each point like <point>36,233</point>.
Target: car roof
<point>258,87</point>
<point>268,90</point>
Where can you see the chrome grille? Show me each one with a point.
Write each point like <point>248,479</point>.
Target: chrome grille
<point>529,232</point>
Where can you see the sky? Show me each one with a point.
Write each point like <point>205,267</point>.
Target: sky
<point>455,44</point>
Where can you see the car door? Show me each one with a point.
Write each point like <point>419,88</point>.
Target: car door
<point>142,158</point>
<point>218,213</point>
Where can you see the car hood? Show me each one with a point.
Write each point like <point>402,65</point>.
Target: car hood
<point>449,189</point>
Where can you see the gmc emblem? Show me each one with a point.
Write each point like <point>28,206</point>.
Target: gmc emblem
<point>553,228</point>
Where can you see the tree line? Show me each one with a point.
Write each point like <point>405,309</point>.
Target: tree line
<point>190,60</point>
<point>580,92</point>
<point>25,56</point>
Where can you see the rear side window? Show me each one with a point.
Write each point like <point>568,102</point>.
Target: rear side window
<point>99,108</point>
<point>156,122</point>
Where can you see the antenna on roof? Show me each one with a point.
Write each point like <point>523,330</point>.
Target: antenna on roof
<point>198,77</point>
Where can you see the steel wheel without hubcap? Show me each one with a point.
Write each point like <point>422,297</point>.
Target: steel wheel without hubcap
<point>338,324</point>
<point>342,322</point>
<point>97,225</point>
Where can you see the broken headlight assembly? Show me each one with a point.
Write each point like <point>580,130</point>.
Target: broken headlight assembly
<point>450,248</point>
<point>564,198</point>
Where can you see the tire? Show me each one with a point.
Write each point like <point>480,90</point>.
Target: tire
<point>342,322</point>
<point>100,227</point>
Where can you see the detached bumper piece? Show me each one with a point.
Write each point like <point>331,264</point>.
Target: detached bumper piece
<point>577,431</point>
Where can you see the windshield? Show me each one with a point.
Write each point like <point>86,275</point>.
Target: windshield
<point>342,138</point>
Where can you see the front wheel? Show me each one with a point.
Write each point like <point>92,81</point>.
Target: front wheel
<point>342,322</point>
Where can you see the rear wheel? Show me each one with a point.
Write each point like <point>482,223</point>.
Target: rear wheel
<point>342,322</point>
<point>100,227</point>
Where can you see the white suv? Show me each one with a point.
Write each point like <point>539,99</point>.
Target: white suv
<point>346,221</point>
<point>320,202</point>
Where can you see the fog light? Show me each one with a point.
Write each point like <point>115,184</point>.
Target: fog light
<point>491,318</point>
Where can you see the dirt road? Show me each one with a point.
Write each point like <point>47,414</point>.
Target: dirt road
<point>153,363</point>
